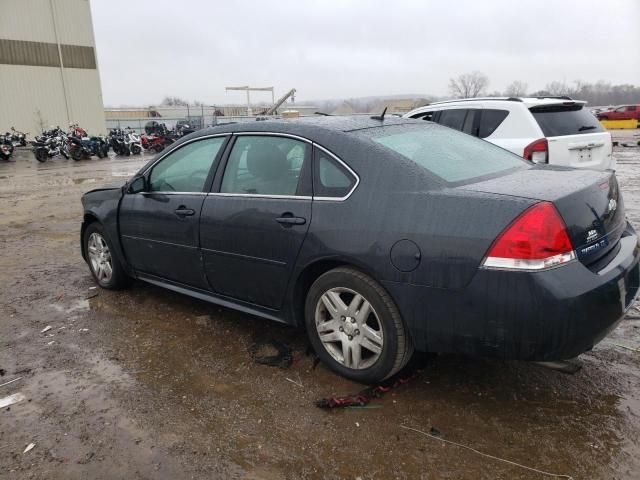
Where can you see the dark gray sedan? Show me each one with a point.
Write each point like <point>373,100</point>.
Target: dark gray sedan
<point>378,236</point>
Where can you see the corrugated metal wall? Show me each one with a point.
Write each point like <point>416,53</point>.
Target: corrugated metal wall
<point>33,94</point>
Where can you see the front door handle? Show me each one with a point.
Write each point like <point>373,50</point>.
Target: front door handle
<point>183,211</point>
<point>287,219</point>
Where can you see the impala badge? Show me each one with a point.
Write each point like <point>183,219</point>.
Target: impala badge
<point>612,205</point>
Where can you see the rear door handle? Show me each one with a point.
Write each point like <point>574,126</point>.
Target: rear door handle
<point>288,219</point>
<point>183,211</point>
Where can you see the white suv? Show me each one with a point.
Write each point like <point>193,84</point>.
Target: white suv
<point>555,130</point>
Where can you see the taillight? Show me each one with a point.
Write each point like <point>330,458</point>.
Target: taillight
<point>538,151</point>
<point>536,240</point>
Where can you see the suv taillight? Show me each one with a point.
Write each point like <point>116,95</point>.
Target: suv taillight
<point>538,151</point>
<point>536,240</point>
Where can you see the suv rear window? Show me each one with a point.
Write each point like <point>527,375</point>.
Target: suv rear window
<point>557,120</point>
<point>449,155</point>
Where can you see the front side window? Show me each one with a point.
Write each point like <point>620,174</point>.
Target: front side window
<point>264,165</point>
<point>453,118</point>
<point>186,169</point>
<point>330,178</point>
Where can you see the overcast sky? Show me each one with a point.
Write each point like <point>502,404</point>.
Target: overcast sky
<point>341,49</point>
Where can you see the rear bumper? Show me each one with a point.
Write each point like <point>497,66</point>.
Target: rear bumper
<point>551,315</point>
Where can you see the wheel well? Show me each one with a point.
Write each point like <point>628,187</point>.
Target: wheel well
<point>88,219</point>
<point>306,279</point>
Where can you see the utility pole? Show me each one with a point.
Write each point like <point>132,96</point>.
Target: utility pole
<point>248,89</point>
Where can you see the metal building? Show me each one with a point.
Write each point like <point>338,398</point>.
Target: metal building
<point>48,67</point>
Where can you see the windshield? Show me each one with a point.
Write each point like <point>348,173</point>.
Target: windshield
<point>449,155</point>
<point>557,120</point>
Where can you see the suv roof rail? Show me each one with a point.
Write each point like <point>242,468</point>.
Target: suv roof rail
<point>479,99</point>
<point>559,97</point>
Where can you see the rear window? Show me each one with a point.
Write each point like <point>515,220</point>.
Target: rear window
<point>558,120</point>
<point>449,155</point>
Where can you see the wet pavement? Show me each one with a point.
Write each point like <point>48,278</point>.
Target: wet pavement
<point>146,383</point>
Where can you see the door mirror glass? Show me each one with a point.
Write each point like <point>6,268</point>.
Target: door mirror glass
<point>137,185</point>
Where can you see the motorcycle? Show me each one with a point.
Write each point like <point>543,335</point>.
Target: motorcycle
<point>6,147</point>
<point>18,138</point>
<point>81,145</point>
<point>116,141</point>
<point>157,137</point>
<point>132,141</point>
<point>80,148</point>
<point>50,144</point>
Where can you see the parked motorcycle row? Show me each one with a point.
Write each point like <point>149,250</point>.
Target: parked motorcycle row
<point>9,141</point>
<point>77,144</point>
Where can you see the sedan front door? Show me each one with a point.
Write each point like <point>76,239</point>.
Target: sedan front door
<point>159,226</point>
<point>253,225</point>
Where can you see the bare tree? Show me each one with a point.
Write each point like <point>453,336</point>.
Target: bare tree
<point>169,101</point>
<point>42,123</point>
<point>556,88</point>
<point>468,85</point>
<point>517,88</point>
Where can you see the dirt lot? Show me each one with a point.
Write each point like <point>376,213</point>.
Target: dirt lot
<point>146,383</point>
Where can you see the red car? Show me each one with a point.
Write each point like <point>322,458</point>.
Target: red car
<point>623,112</point>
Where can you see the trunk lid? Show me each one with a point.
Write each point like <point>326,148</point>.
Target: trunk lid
<point>589,202</point>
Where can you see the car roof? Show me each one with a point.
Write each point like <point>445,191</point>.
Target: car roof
<point>309,127</point>
<point>526,101</point>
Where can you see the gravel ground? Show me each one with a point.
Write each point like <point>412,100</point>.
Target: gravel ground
<point>146,383</point>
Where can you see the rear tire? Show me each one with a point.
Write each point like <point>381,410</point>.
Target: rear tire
<point>355,327</point>
<point>104,262</point>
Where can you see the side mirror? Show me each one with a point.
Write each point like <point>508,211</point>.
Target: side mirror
<point>138,185</point>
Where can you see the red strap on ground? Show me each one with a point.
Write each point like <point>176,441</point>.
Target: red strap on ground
<point>365,396</point>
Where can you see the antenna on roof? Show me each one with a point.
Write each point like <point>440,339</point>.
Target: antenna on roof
<point>380,117</point>
<point>323,114</point>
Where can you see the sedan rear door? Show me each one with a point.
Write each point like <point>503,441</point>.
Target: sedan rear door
<point>255,220</point>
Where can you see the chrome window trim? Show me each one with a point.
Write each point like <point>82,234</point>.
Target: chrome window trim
<point>275,134</point>
<point>257,195</point>
<point>260,195</point>
<point>173,193</point>
<point>348,168</point>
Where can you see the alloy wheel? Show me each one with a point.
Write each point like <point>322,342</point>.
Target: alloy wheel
<point>100,257</point>
<point>349,328</point>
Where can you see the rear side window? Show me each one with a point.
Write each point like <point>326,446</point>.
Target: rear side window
<point>264,165</point>
<point>331,179</point>
<point>451,156</point>
<point>453,118</point>
<point>490,120</point>
<point>557,120</point>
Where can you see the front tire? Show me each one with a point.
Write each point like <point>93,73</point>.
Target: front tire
<point>103,260</point>
<point>355,327</point>
<point>76,154</point>
<point>41,155</point>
